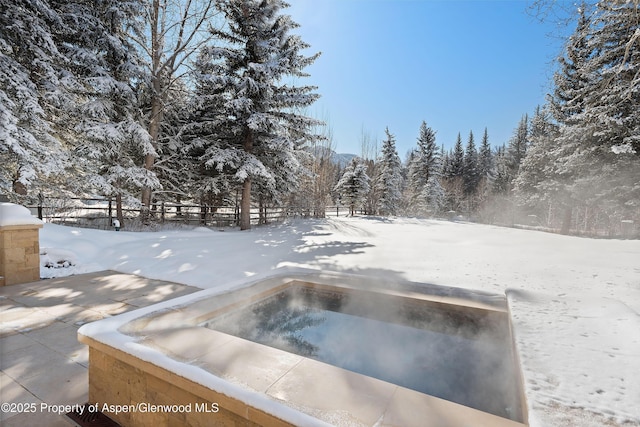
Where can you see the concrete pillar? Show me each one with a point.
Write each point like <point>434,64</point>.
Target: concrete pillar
<point>19,245</point>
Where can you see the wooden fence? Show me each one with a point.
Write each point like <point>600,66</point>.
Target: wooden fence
<point>99,213</point>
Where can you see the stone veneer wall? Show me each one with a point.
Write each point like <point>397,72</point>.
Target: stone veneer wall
<point>19,254</point>
<point>126,380</point>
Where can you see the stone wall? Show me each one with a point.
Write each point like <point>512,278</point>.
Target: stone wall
<point>19,254</point>
<point>127,381</point>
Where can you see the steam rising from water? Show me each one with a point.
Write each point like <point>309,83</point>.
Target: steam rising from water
<point>453,355</point>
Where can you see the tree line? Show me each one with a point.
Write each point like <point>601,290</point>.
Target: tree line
<point>199,100</point>
<point>573,165</point>
<point>153,99</point>
<point>432,181</point>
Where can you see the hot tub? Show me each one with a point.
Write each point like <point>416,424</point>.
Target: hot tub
<point>304,348</point>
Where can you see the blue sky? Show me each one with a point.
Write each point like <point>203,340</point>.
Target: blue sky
<point>459,65</point>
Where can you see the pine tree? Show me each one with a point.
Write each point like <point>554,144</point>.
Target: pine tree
<point>177,171</point>
<point>446,162</point>
<point>536,185</point>
<point>486,174</point>
<point>612,100</point>
<point>434,195</point>
<point>518,146</point>
<point>453,180</point>
<point>111,136</point>
<point>502,181</point>
<point>592,158</point>
<point>572,79</point>
<point>409,190</point>
<point>609,126</point>
<point>251,111</point>
<point>485,159</point>
<point>354,185</point>
<point>389,178</point>
<point>471,175</point>
<point>424,171</point>
<point>456,167</point>
<point>71,67</point>
<point>547,174</point>
<point>428,154</point>
<point>31,92</point>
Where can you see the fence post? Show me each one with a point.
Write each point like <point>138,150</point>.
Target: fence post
<point>236,211</point>
<point>40,201</point>
<point>110,214</point>
<point>203,212</point>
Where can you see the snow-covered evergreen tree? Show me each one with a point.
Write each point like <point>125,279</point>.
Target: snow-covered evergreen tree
<point>611,117</point>
<point>612,101</point>
<point>354,185</point>
<point>434,195</point>
<point>424,168</point>
<point>537,164</point>
<point>409,194</point>
<point>502,181</point>
<point>445,169</point>
<point>471,175</point>
<point>591,159</point>
<point>538,186</point>
<point>179,174</point>
<point>456,164</point>
<point>389,177</point>
<point>517,147</point>
<point>609,126</point>
<point>453,179</point>
<point>571,81</point>
<point>485,160</point>
<point>428,155</point>
<point>550,170</point>
<point>486,175</point>
<point>34,84</point>
<point>67,70</point>
<point>249,127</point>
<point>110,135</point>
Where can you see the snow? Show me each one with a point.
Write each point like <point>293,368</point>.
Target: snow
<point>574,302</point>
<point>622,149</point>
<point>11,214</point>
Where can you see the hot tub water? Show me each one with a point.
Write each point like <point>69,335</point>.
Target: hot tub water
<point>454,355</point>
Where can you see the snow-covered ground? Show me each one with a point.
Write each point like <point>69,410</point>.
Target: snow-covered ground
<point>575,302</point>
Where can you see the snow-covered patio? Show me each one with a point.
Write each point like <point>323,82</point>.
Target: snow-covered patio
<point>574,302</point>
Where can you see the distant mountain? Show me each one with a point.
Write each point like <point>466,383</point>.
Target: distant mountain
<point>341,159</point>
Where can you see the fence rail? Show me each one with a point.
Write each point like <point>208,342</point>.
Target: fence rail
<point>100,213</point>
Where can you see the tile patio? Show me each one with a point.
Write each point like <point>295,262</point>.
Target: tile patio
<point>41,360</point>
